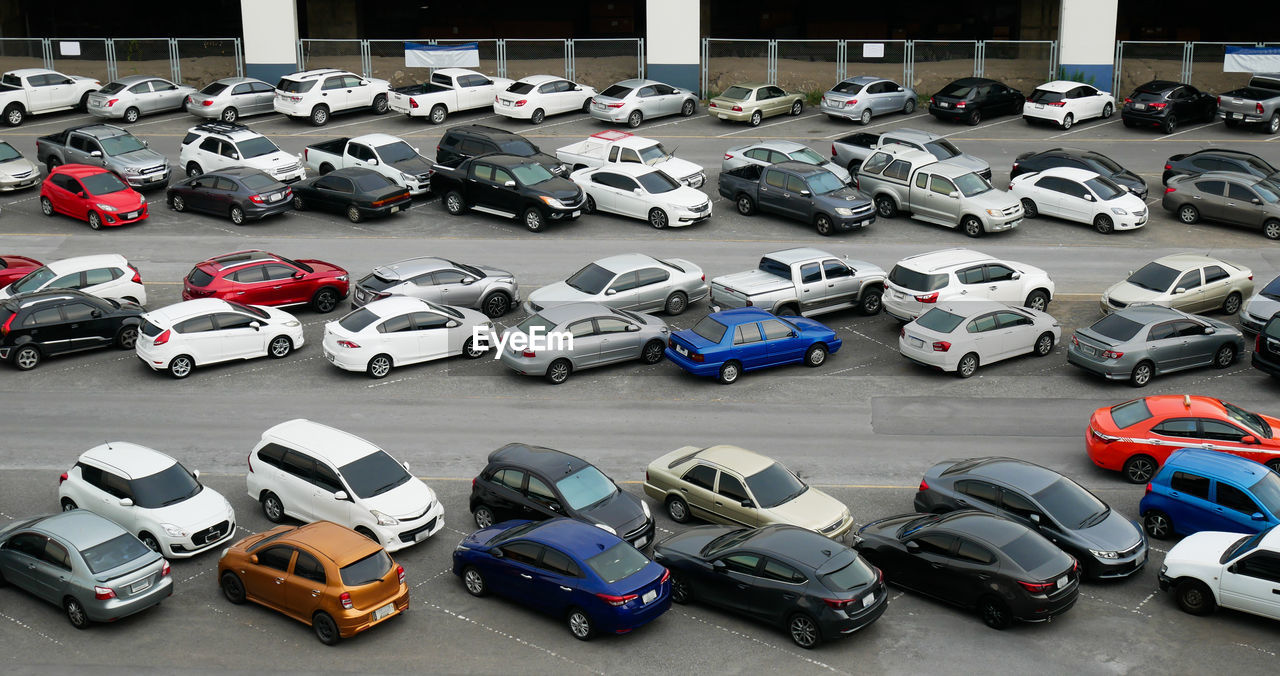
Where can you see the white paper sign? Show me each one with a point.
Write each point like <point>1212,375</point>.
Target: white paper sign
<point>69,48</point>
<point>873,50</point>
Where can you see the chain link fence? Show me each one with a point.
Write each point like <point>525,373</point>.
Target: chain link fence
<point>934,63</point>
<point>1021,64</point>
<point>1205,67</point>
<point>200,61</point>
<point>1141,62</point>
<point>142,56</point>
<point>89,57</point>
<point>522,58</point>
<point>600,63</point>
<point>18,53</point>
<point>877,58</point>
<point>341,54</point>
<point>810,67</point>
<point>729,62</point>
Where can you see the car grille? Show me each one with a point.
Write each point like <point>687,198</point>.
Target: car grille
<point>1010,211</point>
<point>417,516</point>
<point>574,205</point>
<point>152,170</point>
<point>411,535</point>
<point>637,532</point>
<point>833,527</point>
<point>22,175</point>
<point>210,534</point>
<point>288,168</point>
<point>985,174</point>
<point>1116,303</point>
<point>1256,318</point>
<point>423,178</point>
<point>705,206</point>
<point>1130,551</point>
<point>696,180</point>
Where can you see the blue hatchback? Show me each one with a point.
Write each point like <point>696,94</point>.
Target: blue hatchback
<point>725,344</point>
<point>1199,490</point>
<point>595,581</point>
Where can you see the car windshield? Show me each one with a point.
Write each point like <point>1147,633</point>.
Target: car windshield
<point>358,319</point>
<point>1130,413</point>
<point>847,87</point>
<point>33,281</point>
<point>121,145</point>
<point>731,539</point>
<point>916,281</point>
<point>957,90</point>
<point>942,149</point>
<point>1116,328</point>
<point>374,474</point>
<point>856,574</point>
<point>368,570</point>
<point>295,86</point>
<point>736,93</point>
<point>617,562</point>
<point>111,88</point>
<point>1244,545</point>
<point>616,91</point>
<point>654,154</point>
<point>591,279</point>
<point>1267,490</point>
<point>1070,504</point>
<point>8,152</point>
<point>1105,188</point>
<point>657,182</point>
<point>249,309</point>
<point>114,553</point>
<point>166,487</point>
<point>1251,420</point>
<point>1154,277</point>
<point>710,329</point>
<point>256,147</point>
<point>1267,191</point>
<point>972,184</point>
<point>586,487</point>
<point>1030,551</point>
<point>396,152</point>
<point>469,268</point>
<point>939,320</point>
<point>775,485</point>
<point>782,270</point>
<point>1103,161</point>
<point>824,182</point>
<point>520,88</point>
<point>1045,96</point>
<point>213,89</point>
<point>260,182</point>
<point>531,174</point>
<point>1271,290</point>
<point>808,157</point>
<point>518,147</point>
<point>103,184</point>
<point>535,322</point>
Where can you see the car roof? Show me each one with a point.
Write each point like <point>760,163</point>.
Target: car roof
<point>903,152</point>
<point>238,172</point>
<point>540,79</point>
<point>411,267</point>
<point>131,460</point>
<point>235,80</point>
<point>1221,176</point>
<point>30,298</point>
<point>801,545</point>
<point>86,262</point>
<point>1226,152</point>
<point>482,129</point>
<point>945,259</point>
<point>394,306</point>
<point>1024,475</point>
<point>741,315</point>
<point>1189,261</point>
<point>1233,468</point>
<point>375,139</point>
<point>1168,405</point>
<point>1061,85</point>
<point>328,443</point>
<point>341,545</point>
<point>626,168</point>
<point>971,308</point>
<point>457,71</point>
<point>172,314</point>
<point>235,259</point>
<point>80,528</point>
<point>750,85</point>
<point>626,262</point>
<point>28,72</point>
<point>801,168</point>
<point>568,312</point>
<point>502,160</point>
<point>79,170</point>
<point>798,254</point>
<point>578,539</point>
<point>863,79</point>
<point>546,461</point>
<point>1072,173</point>
<point>995,530</point>
<point>98,130</point>
<point>779,145</point>
<point>972,81</point>
<point>1158,86</point>
<point>319,72</point>
<point>354,172</point>
<point>135,79</point>
<point>1145,313</point>
<point>636,82</point>
<point>736,458</point>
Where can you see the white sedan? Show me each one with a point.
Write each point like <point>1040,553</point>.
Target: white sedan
<point>1082,196</point>
<point>401,330</point>
<point>643,192</point>
<point>204,331</point>
<point>959,336</point>
<point>1210,569</point>
<point>537,96</point>
<point>1064,103</point>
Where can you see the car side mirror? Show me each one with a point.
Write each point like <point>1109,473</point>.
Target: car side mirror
<point>495,553</point>
<point>1258,516</point>
<point>95,153</point>
<point>675,91</point>
<point>791,334</point>
<point>235,156</point>
<point>510,184</point>
<point>901,89</point>
<point>632,327</point>
<point>298,275</point>
<point>1016,276</point>
<point>405,464</point>
<point>126,502</point>
<point>453,324</point>
<point>746,503</point>
<point>913,547</point>
<point>1255,201</point>
<point>1249,439</point>
<point>340,495</point>
<point>611,292</point>
<point>805,193</point>
<point>469,281</point>
<point>953,194</point>
<point>1209,330</point>
<point>1179,290</point>
<point>577,88</point>
<point>196,473</point>
<point>1035,518</point>
<point>638,191</point>
<point>373,161</point>
<point>1088,197</point>
<point>256,326</point>
<point>146,143</point>
<point>96,314</point>
<point>718,566</point>
<point>80,194</point>
<point>253,558</point>
<point>553,506</point>
<point>415,149</point>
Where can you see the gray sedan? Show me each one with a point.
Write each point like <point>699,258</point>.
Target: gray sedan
<point>91,567</point>
<point>634,281</point>
<point>232,98</point>
<point>441,281</point>
<point>1142,341</point>
<point>129,98</point>
<point>560,340</point>
<point>1225,197</point>
<point>858,98</point>
<point>765,153</point>
<point>634,101</point>
<point>1260,307</point>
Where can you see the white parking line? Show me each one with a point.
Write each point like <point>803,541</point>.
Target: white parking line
<point>1184,131</point>
<point>766,644</point>
<point>169,118</point>
<point>773,124</point>
<point>336,126</point>
<point>857,128</point>
<point>1092,126</point>
<point>63,121</point>
<point>981,126</point>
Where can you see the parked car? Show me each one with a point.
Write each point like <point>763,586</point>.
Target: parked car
<point>90,566</point>
<point>534,97</point>
<point>464,142</point>
<point>1257,103</point>
<point>196,333</point>
<point>991,332</point>
<point>400,331</point>
<point>1106,544</point>
<point>726,344</point>
<point>106,146</point>
<point>449,90</point>
<point>963,557</point>
<point>360,585</point>
<point>34,91</point>
<point>1209,569</point>
<point>1256,311</point>
<point>50,323</point>
<point>129,97</point>
<point>241,194</point>
<point>764,153</point>
<point>643,192</point>
<point>1074,158</point>
<point>211,146</point>
<point>577,336</point>
<point>388,155</point>
<point>858,98</point>
<point>442,281</point>
<point>1080,195</point>
<point>1197,490</point>
<point>918,282</point>
<point>511,187</point>
<point>798,191</point>
<point>242,276</point>
<point>1190,282</point>
<point>232,98</point>
<point>1219,159</point>
<point>102,275</point>
<point>635,281</point>
<point>1064,103</point>
<point>737,487</point>
<point>1139,342</point>
<point>606,148</point>
<point>970,99</point>
<point>852,150</point>
<point>802,281</point>
<point>1135,437</point>
<point>13,268</point>
<point>1266,349</point>
<point>1225,197</point>
<point>92,194</point>
<point>751,102</point>
<point>357,192</point>
<point>943,192</point>
<point>780,575</point>
<point>319,94</point>
<point>1165,104</point>
<point>593,581</point>
<point>313,472</point>
<point>16,171</point>
<point>151,495</point>
<point>636,100</point>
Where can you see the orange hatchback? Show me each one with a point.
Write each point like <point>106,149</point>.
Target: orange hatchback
<point>325,575</point>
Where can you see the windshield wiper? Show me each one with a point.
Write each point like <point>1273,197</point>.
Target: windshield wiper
<point>1095,519</point>
<point>386,487</point>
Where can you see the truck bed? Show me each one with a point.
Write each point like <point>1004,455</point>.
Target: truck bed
<point>421,88</point>
<point>751,283</point>
<point>743,179</point>
<point>333,146</point>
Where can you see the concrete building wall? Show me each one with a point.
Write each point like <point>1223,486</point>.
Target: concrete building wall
<point>1087,40</point>
<point>270,38</point>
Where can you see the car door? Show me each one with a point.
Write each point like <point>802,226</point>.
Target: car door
<point>432,329</point>
<point>777,591</point>
<point>399,339</point>
<point>220,193</point>
<point>1076,202</point>
<point>941,201</point>
<point>618,340</point>
<point>555,580</point>
<point>1252,584</point>
<point>1217,284</point>
<point>504,494</point>
<point>622,293</point>
<point>733,502</point>
<point>515,570</point>
<point>1189,292</point>
<point>927,566</point>
<point>984,337</point>
<point>972,566</point>
<point>1017,333</point>
<point>18,559</point>
<point>813,288</point>
<point>669,102</point>
<point>842,285</point>
<point>244,100</point>
<point>541,502</point>
<point>196,194</point>
<point>1003,284</point>
<point>505,191</point>
<point>785,344</point>
<point>586,343</point>
<point>1235,509</point>
<point>333,193</point>
<point>293,485</point>
<point>168,96</point>
<point>325,485</point>
<point>359,92</point>
<point>262,97</point>
<point>648,101</point>
<point>236,336</point>
<point>357,155</point>
<point>86,325</point>
<point>304,587</point>
<point>141,97</point>
<point>735,576</point>
<point>1195,510</point>
<point>264,580</point>
<point>1166,348</point>
<point>333,93</point>
<point>455,287</point>
<point>1048,195</point>
<point>46,328</point>
<point>625,198</point>
<point>1210,199</point>
<point>199,338</point>
<point>749,346</point>
<point>41,93</point>
<point>697,487</point>
<point>115,489</point>
<point>1243,207</point>
<point>651,289</point>
<point>281,285</point>
<point>473,91</point>
<point>772,193</point>
<point>799,198</point>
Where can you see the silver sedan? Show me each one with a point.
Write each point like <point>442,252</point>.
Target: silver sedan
<point>634,101</point>
<point>232,98</point>
<point>772,152</point>
<point>859,98</point>
<point>129,98</point>
<point>628,282</point>
<point>439,280</point>
<point>1142,341</point>
<point>559,340</point>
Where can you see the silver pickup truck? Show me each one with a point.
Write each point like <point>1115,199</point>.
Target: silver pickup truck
<point>104,145</point>
<point>1258,103</point>
<point>803,281</point>
<point>852,150</point>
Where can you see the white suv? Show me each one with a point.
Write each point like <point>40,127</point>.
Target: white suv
<point>317,94</point>
<point>102,275</point>
<point>918,282</point>
<point>313,472</point>
<point>151,495</point>
<point>219,145</point>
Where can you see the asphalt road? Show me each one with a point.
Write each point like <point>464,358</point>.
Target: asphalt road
<point>865,426</point>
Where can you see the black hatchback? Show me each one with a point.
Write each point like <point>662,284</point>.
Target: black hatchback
<point>49,323</point>
<point>1219,159</point>
<point>357,192</point>
<point>1075,158</point>
<point>1266,347</point>
<point>473,140</point>
<point>239,193</point>
<point>532,482</point>
<point>973,98</point>
<point>1166,104</point>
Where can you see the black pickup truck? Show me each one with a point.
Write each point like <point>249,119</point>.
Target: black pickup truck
<point>511,187</point>
<point>798,191</point>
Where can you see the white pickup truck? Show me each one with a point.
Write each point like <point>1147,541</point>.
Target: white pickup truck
<point>449,91</point>
<point>619,146</point>
<point>388,155</point>
<point>31,91</point>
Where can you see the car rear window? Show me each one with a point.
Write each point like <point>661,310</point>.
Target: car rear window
<point>939,320</point>
<point>520,88</point>
<point>111,88</point>
<point>1130,413</point>
<point>295,86</point>
<point>616,91</point>
<point>148,329</point>
<point>617,562</point>
<point>957,90</point>
<point>1116,328</point>
<point>260,182</point>
<point>856,574</point>
<point>1044,96</point>
<point>1144,95</point>
<point>776,268</point>
<point>213,89</point>
<point>847,88</point>
<point>375,283</point>
<point>371,568</point>
<point>114,553</point>
<point>916,281</point>
<point>736,93</point>
<point>710,329</point>
<point>357,320</point>
<point>1030,551</point>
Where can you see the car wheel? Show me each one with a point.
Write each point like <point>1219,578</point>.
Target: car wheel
<point>635,118</point>
<point>229,114</point>
<point>1068,121</point>
<point>75,613</point>
<point>816,355</point>
<point>730,371</point>
<point>689,108</point>
<point>804,631</point>
<point>865,118</point>
<point>1169,125</point>
<point>678,509</point>
<point>972,226</point>
<point>470,351</point>
<point>193,170</point>
<point>580,625</point>
<point>237,215</point>
<point>178,204</point>
<point>484,517</point>
<point>474,582</point>
<point>1107,110</point>
<point>26,358</point>
<point>1232,304</point>
<point>1141,374</point>
<point>46,207</point>
<point>454,204</point>
<point>653,352</point>
<point>1103,224</point>
<point>380,104</point>
<point>871,302</point>
<point>127,338</point>
<point>272,508</point>
<point>95,221</point>
<point>1273,125</point>
<point>149,540</point>
<point>232,588</point>
<point>1188,214</point>
<point>967,366</point>
<point>325,300</point>
<point>657,218</point>
<point>13,115</point>
<point>1271,229</point>
<point>52,163</point>
<point>319,116</point>
<point>886,207</point>
<point>746,205</point>
<point>852,168</point>
<point>537,117</point>
<point>679,589</point>
<point>756,117</point>
<point>787,310</point>
<point>797,108</point>
<point>1029,208</point>
<point>1158,525</point>
<point>326,629</point>
<point>438,114</point>
<point>909,107</point>
<point>559,371</point>
<point>326,168</point>
<point>353,214</point>
<point>280,347</point>
<point>590,205</point>
<point>995,613</point>
<point>379,366</point>
<point>68,504</point>
<point>822,223</point>
<point>534,220</point>
<point>131,115</point>
<point>1044,344</point>
<point>1194,597</point>
<point>1139,469</point>
<point>1037,300</point>
<point>297,202</point>
<point>1224,357</point>
<point>974,118</point>
<point>677,302</point>
<point>181,366</point>
<point>497,304</point>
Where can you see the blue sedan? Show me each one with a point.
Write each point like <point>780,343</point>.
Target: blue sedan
<point>595,581</point>
<point>724,344</point>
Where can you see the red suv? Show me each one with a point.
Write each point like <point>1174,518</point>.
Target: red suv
<point>13,268</point>
<point>91,194</point>
<point>259,278</point>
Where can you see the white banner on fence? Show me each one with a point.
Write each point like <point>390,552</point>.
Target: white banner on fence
<point>873,50</point>
<point>418,55</point>
<point>1251,60</point>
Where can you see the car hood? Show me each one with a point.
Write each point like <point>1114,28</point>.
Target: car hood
<point>560,188</point>
<point>1128,179</point>
<point>812,509</point>
<point>1262,307</point>
<point>1128,201</point>
<point>1113,534</point>
<point>17,165</point>
<point>124,200</point>
<point>144,157</point>
<point>322,266</point>
<point>413,165</point>
<point>994,199</point>
<point>1129,294</point>
<point>558,293</point>
<point>691,542</point>
<point>684,196</point>
<point>1205,547</point>
<point>196,513</point>
<point>807,324</point>
<point>406,501</point>
<point>493,272</point>
<point>621,512</point>
<point>888,526</point>
<point>977,164</point>
<point>840,172</point>
<point>678,168</point>
<point>550,163</point>
<point>846,198</point>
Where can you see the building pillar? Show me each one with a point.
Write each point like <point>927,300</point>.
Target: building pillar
<point>1087,41</point>
<point>673,42</point>
<point>270,38</point>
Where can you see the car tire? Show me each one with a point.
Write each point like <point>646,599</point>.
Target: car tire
<point>319,116</point>
<point>1158,525</point>
<point>379,366</point>
<point>236,215</point>
<point>872,302</point>
<point>68,504</point>
<point>815,356</point>
<point>127,337</point>
<point>756,118</point>
<point>676,303</point>
<point>232,588</point>
<point>150,541</point>
<point>353,214</point>
<point>178,204</point>
<point>909,107</point>
<point>1139,469</point>
<point>746,205</point>
<point>439,114</point>
<point>325,168</point>
<point>272,508</point>
<point>229,114</point>
<point>496,304</point>
<point>14,114</point>
<point>469,351</point>
<point>95,221</point>
<point>974,119</point>
<point>1231,305</point>
<point>181,366</point>
<point>678,509</point>
<point>52,163</point>
<point>1188,215</point>
<point>580,624</point>
<point>325,300</point>
<point>635,118</point>
<point>75,613</point>
<point>730,372</point>
<point>1044,345</point>
<point>865,118</point>
<point>1225,356</point>
<point>589,206</point>
<point>797,108</point>
<point>484,517</point>
<point>1107,110</point>
<point>534,221</point>
<point>1141,374</point>
<point>972,226</point>
<point>1068,121</point>
<point>298,204</point>
<point>1274,465</point>
<point>653,352</point>
<point>787,310</point>
<point>280,347</point>
<point>680,592</point>
<point>1271,229</point>
<point>995,613</point>
<point>474,582</point>
<point>852,168</point>
<point>194,169</point>
<point>1169,125</point>
<point>688,109</point>
<point>967,366</point>
<point>1194,597</point>
<point>1103,224</point>
<point>26,357</point>
<point>537,117</point>
<point>325,628</point>
<point>454,204</point>
<point>1029,208</point>
<point>658,218</point>
<point>1037,300</point>
<point>822,223</point>
<point>559,371</point>
<point>804,631</point>
<point>132,114</point>
<point>1273,125</point>
<point>380,106</point>
<point>46,207</point>
<point>885,206</point>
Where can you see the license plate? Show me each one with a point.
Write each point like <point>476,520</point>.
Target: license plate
<point>681,349</point>
<point>276,197</point>
<point>140,586</point>
<point>506,103</point>
<point>157,177</point>
<point>724,117</point>
<point>575,214</point>
<point>329,356</point>
<point>1237,116</point>
<point>384,611</point>
<point>642,542</point>
<point>1039,106</point>
<point>1139,106</point>
<point>916,342</point>
<point>899,294</point>
<point>649,596</point>
<point>944,105</point>
<point>359,295</point>
<point>1062,582</point>
<point>211,537</point>
<point>395,209</point>
<point>422,535</point>
<point>868,600</point>
<point>599,106</point>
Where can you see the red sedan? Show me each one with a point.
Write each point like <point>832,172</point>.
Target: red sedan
<point>13,268</point>
<point>260,278</point>
<point>91,194</point>
<point>1135,438</point>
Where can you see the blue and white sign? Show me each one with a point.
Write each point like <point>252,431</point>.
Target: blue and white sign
<point>465,55</point>
<point>1251,60</point>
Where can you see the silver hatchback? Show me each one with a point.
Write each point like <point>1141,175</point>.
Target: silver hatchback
<point>129,98</point>
<point>232,98</point>
<point>442,281</point>
<point>634,101</point>
<point>560,340</point>
<point>1142,341</point>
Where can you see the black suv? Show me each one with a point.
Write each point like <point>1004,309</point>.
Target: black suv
<point>1219,159</point>
<point>1266,348</point>
<point>53,322</point>
<point>514,187</point>
<point>1166,104</point>
<point>531,482</point>
<point>472,140</point>
<point>1075,158</point>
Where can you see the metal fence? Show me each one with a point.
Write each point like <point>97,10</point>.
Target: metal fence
<point>726,62</point>
<point>198,61</point>
<point>809,66</point>
<point>194,61</point>
<point>1197,63</point>
<point>90,57</point>
<point>522,58</point>
<point>602,62</point>
<point>1021,64</point>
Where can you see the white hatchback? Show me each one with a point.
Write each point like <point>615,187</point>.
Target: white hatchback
<point>402,330</point>
<point>917,283</point>
<point>1064,103</point>
<point>1079,195</point>
<point>102,275</point>
<point>205,331</point>
<point>534,97</point>
<point>1210,569</point>
<point>642,192</point>
<point>151,495</point>
<point>960,336</point>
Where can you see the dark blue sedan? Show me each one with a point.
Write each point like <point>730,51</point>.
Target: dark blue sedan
<point>724,344</point>
<point>595,581</point>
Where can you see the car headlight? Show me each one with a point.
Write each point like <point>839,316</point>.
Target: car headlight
<point>645,506</point>
<point>132,171</point>
<point>292,323</point>
<point>104,207</point>
<point>341,278</point>
<point>173,531</point>
<point>383,519</point>
<point>994,212</point>
<point>844,211</point>
<point>606,529</point>
<point>551,202</point>
<point>1119,212</point>
<point>408,177</point>
<point>1104,555</point>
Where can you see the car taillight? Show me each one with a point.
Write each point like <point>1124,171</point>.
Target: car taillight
<point>924,485</point>
<point>348,344</point>
<point>712,105</point>
<point>61,478</point>
<point>1075,341</point>
<point>928,298</point>
<point>103,593</point>
<point>164,572</point>
<point>208,102</point>
<point>413,103</point>
<point>737,109</point>
<point>902,331</point>
<point>1104,438</point>
<point>1167,167</point>
<point>162,338</point>
<point>1036,587</point>
<point>1169,189</point>
<point>137,276</point>
<point>112,102</point>
<point>521,102</point>
<point>851,102</point>
<point>1219,100</point>
<point>400,573</point>
<point>666,574</point>
<point>307,155</point>
<point>696,356</point>
<point>1075,566</point>
<point>393,198</point>
<point>4,329</point>
<point>345,599</point>
<point>1057,104</point>
<point>616,601</point>
<point>941,346</point>
<point>1258,107</point>
<point>1158,106</point>
<point>838,604</point>
<point>1111,354</point>
<point>1148,489</point>
<point>931,100</point>
<point>704,277</point>
<point>1251,276</point>
<point>728,156</point>
<point>257,199</point>
<point>960,104</point>
<point>1128,100</point>
<point>616,105</point>
<point>528,354</point>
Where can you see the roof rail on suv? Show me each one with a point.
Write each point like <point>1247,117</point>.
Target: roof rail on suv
<point>226,128</point>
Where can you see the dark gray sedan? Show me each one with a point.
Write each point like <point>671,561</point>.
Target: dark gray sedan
<point>1225,197</point>
<point>91,567</point>
<point>1141,341</point>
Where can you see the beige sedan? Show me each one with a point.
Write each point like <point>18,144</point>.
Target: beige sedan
<point>1187,282</point>
<point>731,485</point>
<point>753,101</point>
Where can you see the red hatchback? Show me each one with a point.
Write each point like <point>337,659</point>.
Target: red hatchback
<point>13,268</point>
<point>259,278</point>
<point>91,194</point>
